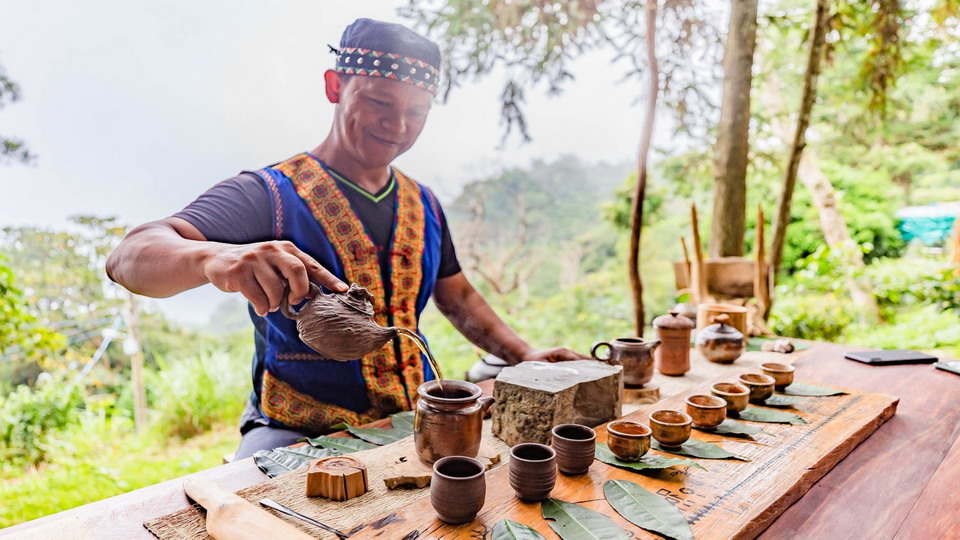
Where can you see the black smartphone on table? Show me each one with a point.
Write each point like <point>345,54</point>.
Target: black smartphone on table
<point>891,357</point>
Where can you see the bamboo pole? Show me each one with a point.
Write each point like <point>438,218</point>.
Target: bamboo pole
<point>686,262</point>
<point>700,288</point>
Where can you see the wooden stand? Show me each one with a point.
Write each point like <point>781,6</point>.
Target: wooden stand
<point>650,393</point>
<point>337,478</point>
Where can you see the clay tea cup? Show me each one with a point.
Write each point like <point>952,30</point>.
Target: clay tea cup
<point>735,395</point>
<point>782,374</point>
<point>760,386</point>
<point>707,412</point>
<point>457,489</point>
<point>575,446</point>
<point>629,441</point>
<point>670,428</point>
<point>533,471</point>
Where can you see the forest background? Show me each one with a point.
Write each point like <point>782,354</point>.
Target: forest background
<point>547,243</point>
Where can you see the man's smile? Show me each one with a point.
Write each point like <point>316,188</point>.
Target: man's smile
<point>381,140</point>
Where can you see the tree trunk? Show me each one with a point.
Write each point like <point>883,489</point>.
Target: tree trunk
<point>809,95</point>
<point>636,209</point>
<point>836,234</point>
<point>730,188</point>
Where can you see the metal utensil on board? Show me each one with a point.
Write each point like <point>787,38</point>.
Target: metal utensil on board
<point>269,503</point>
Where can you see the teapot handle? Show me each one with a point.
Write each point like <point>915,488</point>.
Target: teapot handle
<point>288,310</point>
<point>597,345</point>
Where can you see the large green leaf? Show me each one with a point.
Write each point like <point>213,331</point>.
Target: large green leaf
<point>649,461</point>
<point>732,428</point>
<point>574,522</point>
<point>344,445</point>
<point>698,449</point>
<point>646,509</point>
<point>280,460</point>
<point>780,400</point>
<point>380,436</point>
<point>511,530</point>
<point>756,414</point>
<point>803,389</point>
<point>403,420</point>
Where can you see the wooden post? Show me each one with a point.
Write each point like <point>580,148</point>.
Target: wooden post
<point>136,365</point>
<point>760,284</point>
<point>686,263</point>
<point>699,283</point>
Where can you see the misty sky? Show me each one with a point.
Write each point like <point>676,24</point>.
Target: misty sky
<point>136,107</point>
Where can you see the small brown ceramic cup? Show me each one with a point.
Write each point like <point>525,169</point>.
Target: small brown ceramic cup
<point>760,386</point>
<point>670,428</point>
<point>457,489</point>
<point>628,440</point>
<point>781,373</point>
<point>533,471</point>
<point>707,412</point>
<point>575,447</point>
<point>735,395</point>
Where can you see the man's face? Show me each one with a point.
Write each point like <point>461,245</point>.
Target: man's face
<point>379,119</point>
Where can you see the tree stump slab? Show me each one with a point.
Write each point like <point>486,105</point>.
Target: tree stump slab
<point>532,397</point>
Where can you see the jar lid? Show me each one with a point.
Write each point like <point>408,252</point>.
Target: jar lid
<point>673,321</point>
<point>722,327</point>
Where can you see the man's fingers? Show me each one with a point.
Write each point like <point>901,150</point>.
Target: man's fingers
<point>251,290</point>
<point>295,272</point>
<point>271,284</point>
<point>321,275</point>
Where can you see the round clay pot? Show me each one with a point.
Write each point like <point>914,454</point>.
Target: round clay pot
<point>575,446</point>
<point>457,489</point>
<point>449,422</point>
<point>670,428</point>
<point>707,412</point>
<point>533,471</point>
<point>782,374</point>
<point>634,354</point>
<point>629,441</point>
<point>760,386</point>
<point>735,395</point>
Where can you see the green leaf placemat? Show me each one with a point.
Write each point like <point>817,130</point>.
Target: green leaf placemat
<point>280,460</point>
<point>810,390</point>
<point>649,461</point>
<point>756,414</point>
<point>698,449</point>
<point>378,436</point>
<point>343,445</point>
<point>732,428</point>
<point>574,522</point>
<point>403,420</point>
<point>780,400</point>
<point>646,509</point>
<point>511,530</point>
<point>951,366</point>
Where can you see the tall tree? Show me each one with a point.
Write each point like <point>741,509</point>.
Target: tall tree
<point>730,189</point>
<point>534,41</point>
<point>818,35</point>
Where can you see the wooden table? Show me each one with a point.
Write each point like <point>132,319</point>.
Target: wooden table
<point>900,483</point>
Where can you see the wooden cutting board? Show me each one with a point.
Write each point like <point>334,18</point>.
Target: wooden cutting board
<point>732,499</point>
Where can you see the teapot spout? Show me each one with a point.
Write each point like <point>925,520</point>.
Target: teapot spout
<point>652,345</point>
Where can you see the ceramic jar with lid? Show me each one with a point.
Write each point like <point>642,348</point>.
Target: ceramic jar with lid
<point>720,342</point>
<point>673,355</point>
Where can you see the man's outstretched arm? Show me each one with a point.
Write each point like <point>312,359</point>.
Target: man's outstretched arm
<point>470,313</point>
<point>165,257</point>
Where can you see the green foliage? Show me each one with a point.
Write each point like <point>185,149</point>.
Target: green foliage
<point>32,418</point>
<point>822,317</point>
<point>23,342</point>
<point>191,394</point>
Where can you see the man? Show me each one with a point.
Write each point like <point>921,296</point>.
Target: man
<point>338,214</point>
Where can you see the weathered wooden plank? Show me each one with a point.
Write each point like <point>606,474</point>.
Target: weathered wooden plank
<point>732,499</point>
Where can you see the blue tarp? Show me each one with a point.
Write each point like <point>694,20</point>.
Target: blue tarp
<point>930,224</point>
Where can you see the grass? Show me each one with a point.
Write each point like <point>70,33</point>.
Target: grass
<point>102,467</point>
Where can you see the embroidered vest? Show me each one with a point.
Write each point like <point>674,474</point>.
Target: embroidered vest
<point>296,387</point>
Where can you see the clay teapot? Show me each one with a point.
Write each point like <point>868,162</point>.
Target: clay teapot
<point>339,325</point>
<point>634,354</point>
